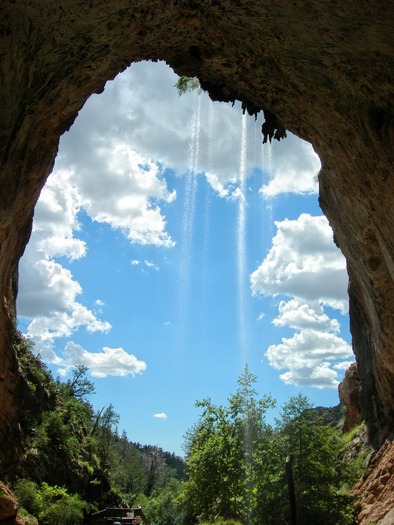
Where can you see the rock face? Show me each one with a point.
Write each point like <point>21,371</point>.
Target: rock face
<point>8,504</point>
<point>9,509</point>
<point>375,491</point>
<point>322,70</point>
<point>350,396</point>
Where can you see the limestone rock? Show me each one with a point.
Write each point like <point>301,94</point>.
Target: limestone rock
<point>375,491</point>
<point>350,395</point>
<point>8,504</point>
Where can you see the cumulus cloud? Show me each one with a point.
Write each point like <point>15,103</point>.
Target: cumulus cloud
<point>141,108</point>
<point>294,168</point>
<point>118,187</point>
<point>48,293</point>
<point>99,171</point>
<point>160,415</point>
<point>108,362</point>
<point>55,219</point>
<point>299,315</point>
<point>308,356</point>
<point>124,191</point>
<point>304,263</point>
<point>343,366</point>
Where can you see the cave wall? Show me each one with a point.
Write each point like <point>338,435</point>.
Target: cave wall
<point>322,68</point>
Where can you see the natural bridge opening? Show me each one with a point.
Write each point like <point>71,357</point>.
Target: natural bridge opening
<point>170,248</point>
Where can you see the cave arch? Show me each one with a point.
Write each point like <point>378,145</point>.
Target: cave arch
<point>323,70</point>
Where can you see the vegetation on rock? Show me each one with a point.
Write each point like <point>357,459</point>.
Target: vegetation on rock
<point>187,84</point>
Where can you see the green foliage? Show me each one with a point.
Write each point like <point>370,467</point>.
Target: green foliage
<point>187,84</point>
<point>57,507</point>
<point>80,386</point>
<point>163,507</point>
<point>222,454</point>
<point>317,472</point>
<point>52,505</point>
<point>237,463</point>
<point>36,374</point>
<point>26,492</point>
<point>222,522</point>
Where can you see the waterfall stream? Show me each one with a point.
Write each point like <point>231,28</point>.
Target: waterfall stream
<point>189,205</point>
<point>241,240</point>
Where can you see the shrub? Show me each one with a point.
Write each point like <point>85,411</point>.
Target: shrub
<point>26,493</point>
<point>52,505</point>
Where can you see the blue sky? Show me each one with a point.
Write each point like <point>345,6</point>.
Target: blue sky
<point>170,248</point>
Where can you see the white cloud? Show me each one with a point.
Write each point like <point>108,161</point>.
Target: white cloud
<point>160,415</point>
<point>304,263</point>
<point>109,362</point>
<point>308,356</point>
<point>121,189</point>
<point>322,376</point>
<point>144,265</point>
<point>298,315</point>
<point>261,316</point>
<point>343,366</point>
<point>55,218</point>
<point>124,192</point>
<point>141,108</point>
<point>151,265</point>
<point>216,184</point>
<point>48,293</point>
<point>295,166</point>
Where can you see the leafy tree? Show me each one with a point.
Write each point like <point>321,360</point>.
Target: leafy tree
<point>52,505</point>
<point>248,416</point>
<point>221,453</point>
<point>315,450</point>
<point>163,507</point>
<point>107,428</point>
<point>80,387</point>
<point>26,492</point>
<point>238,465</point>
<point>58,507</point>
<point>155,468</point>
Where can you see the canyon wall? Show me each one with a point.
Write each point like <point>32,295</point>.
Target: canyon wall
<point>322,70</point>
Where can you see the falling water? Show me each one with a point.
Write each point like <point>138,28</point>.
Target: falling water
<point>241,239</point>
<point>266,169</point>
<point>190,204</point>
<point>207,203</point>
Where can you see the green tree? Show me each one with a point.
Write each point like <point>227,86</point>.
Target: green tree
<point>80,387</point>
<point>52,505</point>
<point>106,433</point>
<point>221,451</point>
<point>317,473</point>
<point>163,507</point>
<point>248,413</point>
